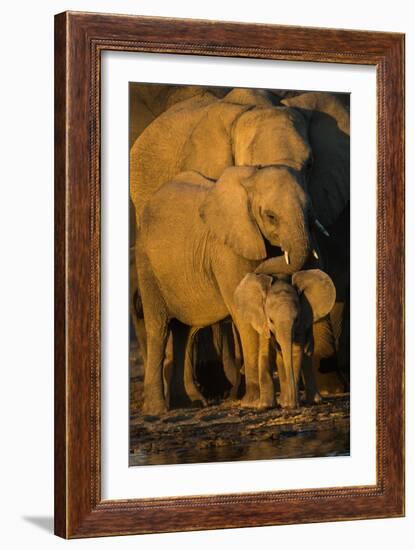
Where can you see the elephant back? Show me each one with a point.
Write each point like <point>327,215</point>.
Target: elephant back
<point>148,101</point>
<point>192,135</point>
<point>251,96</point>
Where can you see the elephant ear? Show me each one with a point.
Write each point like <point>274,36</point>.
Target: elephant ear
<point>317,291</point>
<point>329,136</point>
<point>249,299</point>
<point>208,148</point>
<point>227,213</point>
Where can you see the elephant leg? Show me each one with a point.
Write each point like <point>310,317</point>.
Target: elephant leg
<point>248,337</point>
<point>237,347</point>
<point>140,332</point>
<point>328,383</point>
<point>282,400</point>
<point>136,307</point>
<point>250,345</point>
<point>154,401</point>
<point>232,369</point>
<point>232,372</point>
<point>157,329</point>
<point>311,392</point>
<point>189,383</point>
<point>237,364</point>
<point>298,360</point>
<point>168,367</point>
<point>266,383</point>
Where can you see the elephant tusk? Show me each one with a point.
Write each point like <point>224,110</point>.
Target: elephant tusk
<point>287,257</point>
<point>315,254</point>
<point>322,228</point>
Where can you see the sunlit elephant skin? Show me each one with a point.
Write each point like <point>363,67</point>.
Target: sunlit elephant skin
<point>180,383</point>
<point>148,101</point>
<point>196,241</point>
<point>284,311</point>
<point>325,361</point>
<point>308,132</point>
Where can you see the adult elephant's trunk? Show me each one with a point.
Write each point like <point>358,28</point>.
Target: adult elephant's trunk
<point>293,259</point>
<point>285,339</point>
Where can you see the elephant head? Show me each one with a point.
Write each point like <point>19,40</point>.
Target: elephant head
<point>307,133</point>
<point>286,310</point>
<point>249,206</point>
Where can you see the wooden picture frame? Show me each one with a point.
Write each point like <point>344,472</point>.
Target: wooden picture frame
<point>79,40</point>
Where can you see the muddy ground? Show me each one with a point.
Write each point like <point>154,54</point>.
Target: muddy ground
<point>223,431</point>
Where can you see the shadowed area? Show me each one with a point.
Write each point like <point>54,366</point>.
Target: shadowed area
<point>239,274</point>
<point>43,522</point>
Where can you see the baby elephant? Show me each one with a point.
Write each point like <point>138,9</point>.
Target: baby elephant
<point>285,311</point>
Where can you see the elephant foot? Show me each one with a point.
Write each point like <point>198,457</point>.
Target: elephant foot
<point>251,397</point>
<point>196,398</point>
<point>249,401</point>
<point>284,404</point>
<point>265,404</point>
<point>199,401</point>
<point>281,401</point>
<point>314,399</point>
<point>233,394</point>
<point>154,408</point>
<point>232,398</point>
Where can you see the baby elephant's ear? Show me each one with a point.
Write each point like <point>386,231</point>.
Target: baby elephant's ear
<point>249,299</point>
<point>318,289</point>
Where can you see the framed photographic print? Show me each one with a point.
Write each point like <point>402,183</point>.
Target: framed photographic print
<point>229,280</point>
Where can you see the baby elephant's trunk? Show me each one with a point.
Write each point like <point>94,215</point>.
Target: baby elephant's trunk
<point>285,339</point>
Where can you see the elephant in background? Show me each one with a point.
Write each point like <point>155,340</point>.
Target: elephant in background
<point>285,311</point>
<point>332,369</point>
<point>148,101</point>
<point>308,133</point>
<point>325,361</point>
<point>225,340</point>
<point>207,133</point>
<point>244,128</point>
<point>196,241</point>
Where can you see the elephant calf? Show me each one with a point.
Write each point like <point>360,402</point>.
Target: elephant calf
<point>286,311</point>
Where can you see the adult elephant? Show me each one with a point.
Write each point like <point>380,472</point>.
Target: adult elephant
<point>148,101</point>
<point>309,133</point>
<point>197,239</point>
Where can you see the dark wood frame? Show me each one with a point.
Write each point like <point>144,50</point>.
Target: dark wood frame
<point>79,40</point>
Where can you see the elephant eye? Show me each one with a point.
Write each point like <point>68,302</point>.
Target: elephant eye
<point>271,217</point>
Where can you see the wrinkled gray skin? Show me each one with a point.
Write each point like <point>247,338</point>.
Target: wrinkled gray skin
<point>285,311</point>
<point>196,241</point>
<point>308,133</point>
